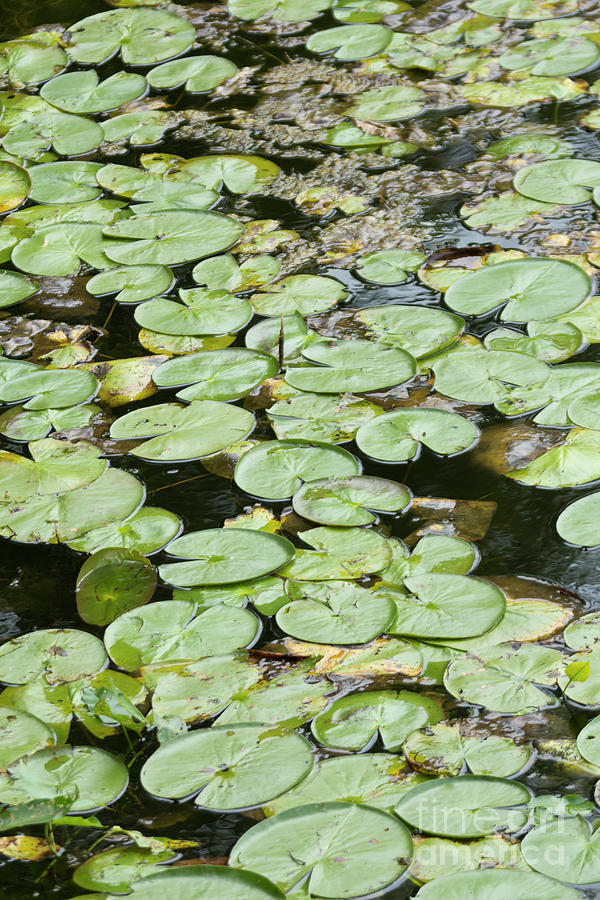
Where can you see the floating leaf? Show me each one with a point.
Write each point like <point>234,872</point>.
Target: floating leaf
<point>156,192</point>
<point>15,287</point>
<point>351,41</point>
<point>419,330</point>
<point>53,654</point>
<point>280,10</point>
<point>225,555</point>
<point>111,582</point>
<point>169,630</point>
<point>64,182</point>
<point>347,501</point>
<point>469,806</point>
<point>446,748</point>
<point>143,36</point>
<point>552,56</point>
<point>388,104</point>
<point>494,884</point>
<point>339,553</point>
<point>389,266</point>
<point>351,365</point>
<point>59,250</point>
<point>304,294</point>
<point>492,376</point>
<point>240,174</point>
<point>131,284</point>
<point>116,869</point>
<point>82,92</point>
<point>216,374</point>
<point>197,763</point>
<point>275,470</point>
<point>564,849</point>
<point>571,463</point>
<point>559,181</point>
<point>357,720</point>
<point>15,185</point>
<point>202,312</point>
<point>197,73</point>
<point>223,272</point>
<point>22,734</point>
<point>45,389</point>
<point>397,436</point>
<point>579,522</point>
<point>551,341</point>
<point>320,417</point>
<point>343,849</point>
<point>146,532</point>
<point>205,882</point>
<point>176,432</point>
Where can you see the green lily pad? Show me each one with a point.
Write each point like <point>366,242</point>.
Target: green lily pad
<point>506,678</point>
<point>266,594</point>
<point>52,654</point>
<point>201,689</point>
<point>82,92</point>
<point>197,73</point>
<point>351,365</point>
<point>223,272</point>
<point>334,613</point>
<point>489,376</point>
<point>468,806</point>
<point>496,884</point>
<point>304,294</point>
<point>351,41</point>
<point>567,850</point>
<point>588,743</point>
<point>111,582</point>
<point>96,777</point>
<point>389,266</point>
<point>280,10</point>
<point>216,374</point>
<point>356,721</point>
<point>505,212</point>
<point>44,388</point>
<point>144,126</point>
<point>552,56</point>
<point>275,470</point>
<point>171,237</point>
<point>206,882</point>
<point>22,734</point>
<point>551,341</point>
<point>169,631</point>
<point>240,174</point>
<point>116,869</point>
<point>348,501</point>
<point>343,849</point>
<point>388,104</point>
<point>15,185</point>
<point>55,466</point>
<point>579,522</point>
<point>357,11</point>
<point>156,192</point>
<point>446,748</point>
<point>146,532</point>
<point>15,287</point>
<point>64,182</point>
<point>131,284</point>
<point>397,436</point>
<point>33,58</point>
<point>224,556</point>
<point>174,432</point>
<point>143,36</point>
<point>445,605</point>
<point>202,312</point>
<point>534,289</point>
<point>420,330</point>
<point>59,250</point>
<point>523,10</point>
<point>222,766</point>
<point>376,779</point>
<point>559,181</point>
<point>68,135</point>
<point>339,553</point>
<point>437,858</point>
<point>320,417</point>
<point>571,463</point>
<point>442,553</point>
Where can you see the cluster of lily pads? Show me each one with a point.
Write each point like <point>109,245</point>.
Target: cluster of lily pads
<point>375,707</point>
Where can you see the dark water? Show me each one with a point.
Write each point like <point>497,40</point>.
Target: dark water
<point>37,582</point>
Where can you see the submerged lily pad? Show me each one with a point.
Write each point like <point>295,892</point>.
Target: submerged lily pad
<point>389,266</point>
<point>388,104</point>
<point>224,556</point>
<point>195,764</point>
<point>344,849</point>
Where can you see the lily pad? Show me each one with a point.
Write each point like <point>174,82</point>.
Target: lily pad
<point>468,806</point>
<point>22,734</point>
<point>171,237</point>
<point>579,522</point>
<point>44,388</point>
<point>15,185</point>
<point>169,631</point>
<point>551,341</point>
<point>343,849</point>
<point>15,287</point>
<point>334,613</point>
<point>202,312</point>
<point>155,192</point>
<point>496,884</point>
<point>197,73</point>
<point>224,556</point>
<point>567,850</point>
<point>339,553</point>
<point>54,655</point>
<point>216,374</point>
<point>571,463</point>
<point>174,432</point>
<point>376,779</point>
<point>351,365</point>
<point>222,766</point>
<point>446,748</point>
<point>388,104</point>
<point>115,870</point>
<point>356,721</point>
<point>552,56</point>
<point>420,330</point>
<point>82,92</point>
<point>320,417</point>
<point>275,470</point>
<point>223,272</point>
<point>205,882</point>
<point>95,777</point>
<point>143,36</point>
<point>240,174</point>
<point>304,294</point>
<point>351,41</point>
<point>397,436</point>
<point>64,182</point>
<point>279,10</point>
<point>523,10</point>
<point>389,266</point>
<point>131,284</point>
<point>111,582</point>
<point>59,250</point>
<point>33,59</point>
<point>588,743</point>
<point>559,181</point>
<point>146,532</point>
<point>492,376</point>
<point>506,678</point>
<point>534,289</point>
<point>348,501</point>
